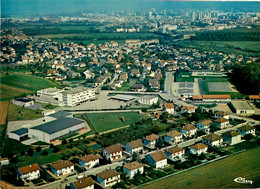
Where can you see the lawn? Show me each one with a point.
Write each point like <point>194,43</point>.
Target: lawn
<point>107,121</point>
<point>16,112</point>
<point>18,84</point>
<point>219,174</point>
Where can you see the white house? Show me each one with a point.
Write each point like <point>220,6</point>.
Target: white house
<point>169,107</point>
<point>173,137</point>
<point>131,169</point>
<point>221,123</point>
<point>246,129</point>
<point>221,114</point>
<point>88,74</point>
<point>232,137</point>
<point>175,153</point>
<point>157,159</point>
<point>83,183</point>
<point>112,153</point>
<point>136,146</point>
<point>62,168</point>
<point>189,130</point>
<point>204,125</point>
<point>188,109</point>
<point>25,102</point>
<point>89,161</point>
<point>150,140</point>
<point>147,99</point>
<point>108,178</point>
<point>29,172</point>
<point>198,149</point>
<point>212,140</point>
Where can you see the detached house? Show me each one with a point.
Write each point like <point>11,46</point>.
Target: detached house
<point>221,123</point>
<point>188,109</point>
<point>112,153</point>
<point>136,146</point>
<point>204,125</point>
<point>83,183</point>
<point>212,140</point>
<point>89,161</point>
<point>169,107</point>
<point>221,114</point>
<point>108,178</point>
<point>189,130</point>
<point>175,153</point>
<point>29,172</point>
<point>131,169</point>
<point>150,140</point>
<point>198,149</point>
<point>157,159</point>
<point>62,168</point>
<point>246,129</point>
<point>173,137</point>
<point>232,137</point>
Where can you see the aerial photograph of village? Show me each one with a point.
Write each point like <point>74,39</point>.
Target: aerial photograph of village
<point>143,94</point>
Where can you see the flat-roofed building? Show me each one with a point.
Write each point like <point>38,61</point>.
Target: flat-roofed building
<point>24,102</point>
<point>51,92</point>
<point>242,107</point>
<point>18,134</point>
<point>147,99</point>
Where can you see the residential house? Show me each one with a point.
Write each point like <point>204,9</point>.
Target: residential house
<point>133,168</point>
<point>232,137</point>
<point>88,74</point>
<point>150,140</point>
<point>169,107</point>
<point>157,159</point>
<point>29,172</point>
<point>189,130</point>
<point>135,146</point>
<point>221,123</point>
<point>83,183</point>
<point>135,72</point>
<point>62,168</point>
<point>138,87</point>
<point>112,153</point>
<point>198,149</point>
<point>89,161</point>
<point>175,153</point>
<point>212,140</point>
<point>246,129</point>
<point>188,109</point>
<point>173,137</point>
<point>108,178</point>
<point>221,114</point>
<point>204,125</point>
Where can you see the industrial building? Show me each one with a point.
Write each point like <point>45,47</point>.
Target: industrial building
<point>241,107</point>
<point>18,134</point>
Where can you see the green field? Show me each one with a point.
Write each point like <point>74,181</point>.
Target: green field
<point>219,174</point>
<point>18,84</point>
<point>107,121</point>
<point>16,112</point>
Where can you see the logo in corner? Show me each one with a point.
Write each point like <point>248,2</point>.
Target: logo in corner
<point>242,180</point>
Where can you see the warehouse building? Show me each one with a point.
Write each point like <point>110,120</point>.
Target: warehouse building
<point>242,107</point>
<point>24,102</point>
<point>59,128</point>
<point>18,134</point>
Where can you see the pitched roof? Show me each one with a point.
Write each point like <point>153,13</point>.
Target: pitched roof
<point>196,97</point>
<point>254,97</point>
<point>246,128</point>
<point>174,149</point>
<point>221,120</point>
<point>231,133</point>
<point>114,149</point>
<point>188,108</point>
<point>198,146</point>
<point>83,183</point>
<point>62,164</point>
<point>29,168</point>
<point>158,156</point>
<point>89,158</point>
<point>216,96</point>
<point>168,106</point>
<point>60,114</point>
<point>221,113</point>
<point>189,127</point>
<point>133,165</point>
<point>206,122</point>
<point>212,137</point>
<point>173,133</point>
<point>108,174</point>
<point>151,137</point>
<point>136,143</point>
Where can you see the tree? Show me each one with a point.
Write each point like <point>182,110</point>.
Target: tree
<point>164,117</point>
<point>45,153</point>
<point>38,149</point>
<point>30,152</point>
<point>248,137</point>
<point>64,142</point>
<point>159,143</point>
<point>213,127</point>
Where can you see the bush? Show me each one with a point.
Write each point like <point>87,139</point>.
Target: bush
<point>45,153</point>
<point>38,149</point>
<point>248,137</point>
<point>64,142</point>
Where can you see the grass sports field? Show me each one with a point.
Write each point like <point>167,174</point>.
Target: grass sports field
<point>107,121</point>
<point>219,174</point>
<point>18,84</point>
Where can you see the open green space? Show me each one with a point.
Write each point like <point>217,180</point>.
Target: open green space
<point>107,121</point>
<point>219,174</point>
<point>11,146</point>
<point>19,84</point>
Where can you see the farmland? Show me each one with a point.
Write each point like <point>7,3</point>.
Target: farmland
<point>219,174</point>
<point>3,112</point>
<point>19,84</point>
<point>107,121</point>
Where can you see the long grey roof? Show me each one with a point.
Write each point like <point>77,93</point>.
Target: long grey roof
<point>60,114</point>
<point>21,131</point>
<point>58,125</point>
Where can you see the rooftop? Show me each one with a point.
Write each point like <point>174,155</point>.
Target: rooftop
<point>241,105</point>
<point>158,156</point>
<point>212,137</point>
<point>89,158</point>
<point>123,97</point>
<point>62,165</point>
<point>168,105</point>
<point>108,174</point>
<point>221,120</point>
<point>21,131</point>
<point>60,114</point>
<point>148,97</point>
<point>231,133</point>
<point>114,149</point>
<point>216,96</point>
<point>173,133</point>
<point>29,168</point>
<point>76,90</point>
<point>23,99</point>
<point>198,146</point>
<point>189,127</point>
<point>151,137</point>
<point>136,143</point>
<point>133,165</point>
<point>246,128</point>
<point>83,183</point>
<point>174,149</point>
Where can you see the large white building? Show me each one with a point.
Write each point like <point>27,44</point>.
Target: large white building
<point>51,92</point>
<point>75,96</point>
<point>149,100</point>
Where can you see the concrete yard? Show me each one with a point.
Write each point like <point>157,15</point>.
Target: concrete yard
<point>220,87</point>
